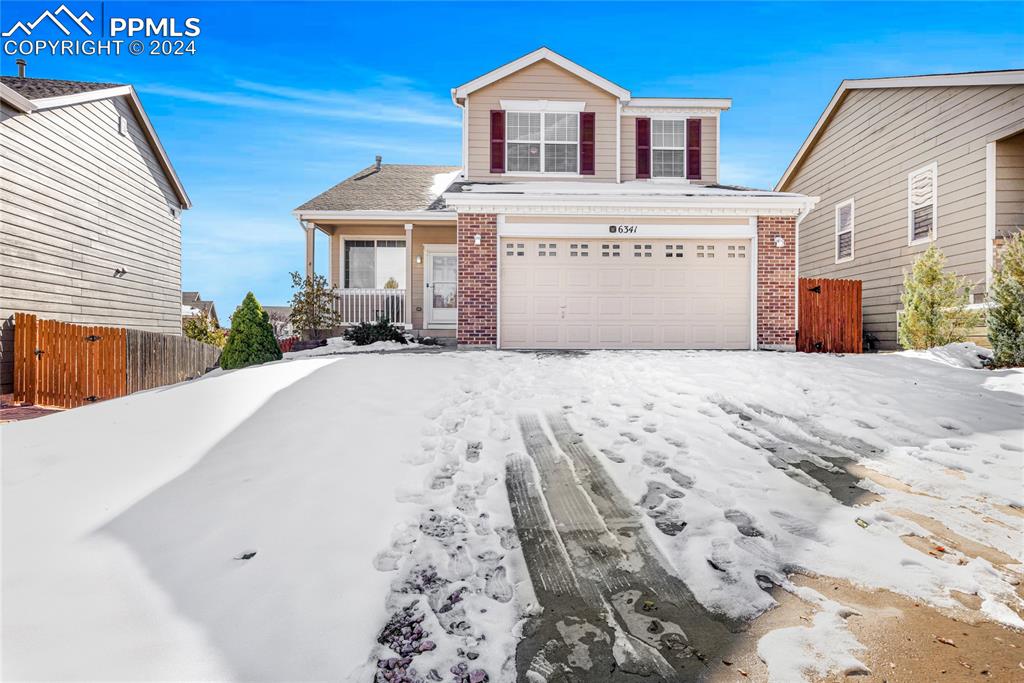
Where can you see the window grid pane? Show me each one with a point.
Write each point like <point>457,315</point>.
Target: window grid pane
<point>668,163</point>
<point>560,128</point>
<point>523,126</point>
<point>667,133</point>
<point>560,158</point>
<point>524,156</point>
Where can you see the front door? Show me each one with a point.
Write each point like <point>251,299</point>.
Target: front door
<point>440,286</point>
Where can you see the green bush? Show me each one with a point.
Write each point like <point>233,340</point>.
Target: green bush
<point>202,329</point>
<point>368,333</point>
<point>934,304</point>
<point>1006,316</point>
<point>251,340</point>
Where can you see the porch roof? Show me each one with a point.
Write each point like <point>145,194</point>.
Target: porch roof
<point>387,188</point>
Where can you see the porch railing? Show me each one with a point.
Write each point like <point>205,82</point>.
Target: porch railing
<point>367,305</point>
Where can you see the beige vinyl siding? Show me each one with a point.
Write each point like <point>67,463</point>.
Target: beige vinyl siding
<point>875,139</point>
<point>1010,185</point>
<point>421,234</point>
<point>79,200</point>
<point>708,149</point>
<point>541,81</point>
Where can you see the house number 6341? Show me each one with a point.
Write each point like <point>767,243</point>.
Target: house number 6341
<point>622,229</point>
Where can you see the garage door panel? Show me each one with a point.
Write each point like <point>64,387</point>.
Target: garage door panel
<point>679,293</point>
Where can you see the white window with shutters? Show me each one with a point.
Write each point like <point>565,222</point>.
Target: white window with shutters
<point>844,231</point>
<point>922,204</point>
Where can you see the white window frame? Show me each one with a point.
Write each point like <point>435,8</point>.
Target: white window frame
<point>542,142</point>
<point>675,178</point>
<point>934,168</point>
<point>853,230</point>
<point>343,266</point>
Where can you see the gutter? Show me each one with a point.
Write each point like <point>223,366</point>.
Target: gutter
<point>404,216</point>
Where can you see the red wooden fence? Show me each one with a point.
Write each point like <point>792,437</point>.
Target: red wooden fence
<point>67,365</point>
<point>830,316</point>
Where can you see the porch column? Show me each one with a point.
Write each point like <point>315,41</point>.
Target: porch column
<point>408,276</point>
<point>310,245</point>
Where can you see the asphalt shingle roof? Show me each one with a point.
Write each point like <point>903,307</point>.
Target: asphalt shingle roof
<point>40,88</point>
<point>395,187</point>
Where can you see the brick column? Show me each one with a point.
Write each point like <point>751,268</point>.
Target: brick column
<point>478,279</point>
<point>776,283</point>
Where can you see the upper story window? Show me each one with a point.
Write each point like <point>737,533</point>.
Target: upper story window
<point>668,148</point>
<point>844,231</point>
<point>542,142</point>
<point>922,191</point>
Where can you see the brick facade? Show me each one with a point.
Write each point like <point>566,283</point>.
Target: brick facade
<point>478,279</point>
<point>776,283</point>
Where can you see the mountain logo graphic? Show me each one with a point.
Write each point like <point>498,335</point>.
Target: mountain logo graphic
<point>28,27</point>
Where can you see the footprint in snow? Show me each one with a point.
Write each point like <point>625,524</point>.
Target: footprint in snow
<point>612,455</point>
<point>656,493</point>
<point>473,449</point>
<point>683,480</point>
<point>796,525</point>
<point>599,422</point>
<point>650,429</point>
<point>507,537</point>
<point>631,436</point>
<point>744,524</point>
<point>654,459</point>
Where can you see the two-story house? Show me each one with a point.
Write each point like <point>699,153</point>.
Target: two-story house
<point>91,210</point>
<point>903,163</point>
<point>581,218</point>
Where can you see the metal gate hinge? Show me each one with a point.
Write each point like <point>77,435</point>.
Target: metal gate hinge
<point>38,352</point>
<point>93,338</point>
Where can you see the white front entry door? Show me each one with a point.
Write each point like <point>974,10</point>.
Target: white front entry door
<point>440,286</point>
<point>625,293</point>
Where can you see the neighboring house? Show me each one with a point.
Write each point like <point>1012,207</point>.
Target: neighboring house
<point>193,305</point>
<point>91,210</point>
<point>582,217</point>
<point>280,319</point>
<point>902,163</point>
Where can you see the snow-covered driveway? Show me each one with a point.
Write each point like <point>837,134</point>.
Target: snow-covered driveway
<point>373,487</point>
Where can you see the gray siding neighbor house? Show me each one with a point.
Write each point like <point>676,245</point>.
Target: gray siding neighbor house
<point>900,163</point>
<point>90,228</point>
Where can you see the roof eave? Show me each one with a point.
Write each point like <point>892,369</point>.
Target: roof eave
<point>531,58</point>
<point>408,216</point>
<point>16,99</point>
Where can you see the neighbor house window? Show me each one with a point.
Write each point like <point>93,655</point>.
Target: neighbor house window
<point>922,188</point>
<point>374,264</point>
<point>844,231</point>
<point>668,148</point>
<point>542,143</point>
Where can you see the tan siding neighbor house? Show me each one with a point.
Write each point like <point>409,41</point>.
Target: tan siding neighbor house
<point>582,217</point>
<point>902,163</point>
<point>91,220</point>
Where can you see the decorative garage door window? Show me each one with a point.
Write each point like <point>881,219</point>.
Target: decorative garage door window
<point>610,250</point>
<point>549,249</point>
<point>674,250</point>
<point>578,250</point>
<point>642,250</point>
<point>705,250</point>
<point>737,251</point>
<point>515,249</point>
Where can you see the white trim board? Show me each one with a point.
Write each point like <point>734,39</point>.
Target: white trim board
<point>602,231</point>
<point>554,106</point>
<point>398,216</point>
<point>1009,77</point>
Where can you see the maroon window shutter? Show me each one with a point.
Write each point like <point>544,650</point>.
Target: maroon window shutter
<point>693,148</point>
<point>587,135</point>
<point>643,148</point>
<point>497,141</point>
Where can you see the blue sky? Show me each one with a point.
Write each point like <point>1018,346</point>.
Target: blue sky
<point>283,100</point>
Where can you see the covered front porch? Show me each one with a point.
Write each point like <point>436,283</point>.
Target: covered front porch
<point>404,270</point>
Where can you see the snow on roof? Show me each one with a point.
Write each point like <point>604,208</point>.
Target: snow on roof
<point>635,188</point>
<point>441,183</point>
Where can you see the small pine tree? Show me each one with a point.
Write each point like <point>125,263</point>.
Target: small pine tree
<point>1006,316</point>
<point>202,329</point>
<point>251,341</point>
<point>934,304</point>
<point>313,305</point>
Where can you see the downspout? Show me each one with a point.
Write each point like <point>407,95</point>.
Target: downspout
<point>618,141</point>
<point>465,134</point>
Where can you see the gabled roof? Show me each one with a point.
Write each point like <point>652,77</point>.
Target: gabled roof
<point>29,95</point>
<point>392,187</point>
<point>532,58</point>
<point>974,78</point>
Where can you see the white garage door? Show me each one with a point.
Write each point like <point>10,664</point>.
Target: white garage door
<point>625,293</point>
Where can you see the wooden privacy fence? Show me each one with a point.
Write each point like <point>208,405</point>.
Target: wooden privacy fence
<point>67,365</point>
<point>829,318</point>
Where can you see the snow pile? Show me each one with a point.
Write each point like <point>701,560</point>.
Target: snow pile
<point>813,652</point>
<point>190,310</point>
<point>441,182</point>
<point>957,355</point>
<point>368,498</point>
<point>336,345</point>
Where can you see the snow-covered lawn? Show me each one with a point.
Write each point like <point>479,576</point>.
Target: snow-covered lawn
<point>370,483</point>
